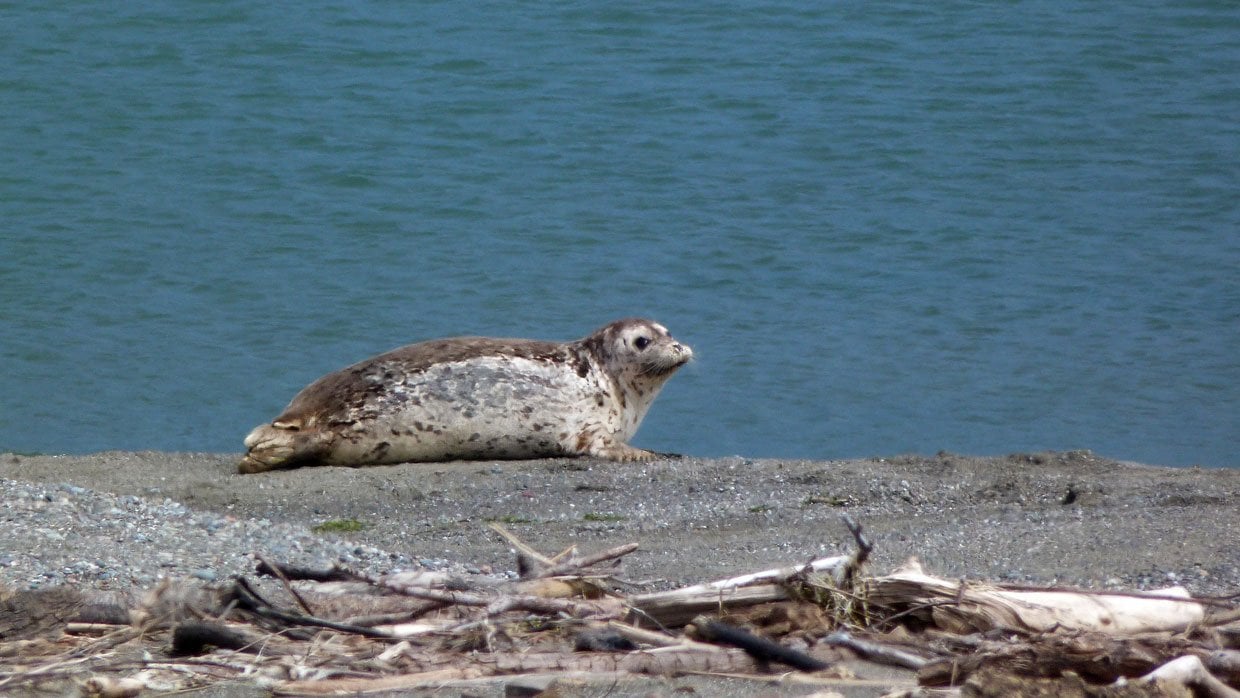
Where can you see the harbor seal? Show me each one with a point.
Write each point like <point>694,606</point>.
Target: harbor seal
<point>473,398</point>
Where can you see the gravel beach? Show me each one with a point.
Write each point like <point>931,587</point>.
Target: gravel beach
<point>120,521</point>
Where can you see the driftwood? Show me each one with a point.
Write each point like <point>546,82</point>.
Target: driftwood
<point>1015,641</point>
<point>321,632</point>
<point>1190,672</point>
<point>675,608</point>
<point>971,607</point>
<point>1095,657</point>
<point>602,666</point>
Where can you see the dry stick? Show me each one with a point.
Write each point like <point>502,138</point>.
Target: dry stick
<point>434,604</point>
<point>333,574</point>
<point>404,616</point>
<point>648,637</point>
<point>362,685</point>
<point>848,571</point>
<point>921,607</point>
<point>759,648</point>
<point>564,554</point>
<point>651,637</point>
<point>107,642</point>
<point>876,652</point>
<point>451,598</point>
<point>212,666</point>
<point>287,586</point>
<point>92,628</point>
<point>1189,671</point>
<point>864,546</point>
<point>678,606</point>
<point>565,568</point>
<point>255,604</point>
<point>538,604</point>
<point>611,663</point>
<point>45,669</point>
<point>778,575</point>
<point>1224,617</point>
<point>496,606</point>
<point>521,545</point>
<point>675,608</point>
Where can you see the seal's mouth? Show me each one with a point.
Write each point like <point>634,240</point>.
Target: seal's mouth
<point>677,356</point>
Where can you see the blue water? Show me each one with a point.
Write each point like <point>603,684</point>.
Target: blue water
<point>883,227</point>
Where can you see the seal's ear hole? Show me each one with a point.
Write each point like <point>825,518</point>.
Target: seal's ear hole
<point>641,343</point>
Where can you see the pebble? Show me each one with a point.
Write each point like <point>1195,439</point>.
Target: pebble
<point>130,543</point>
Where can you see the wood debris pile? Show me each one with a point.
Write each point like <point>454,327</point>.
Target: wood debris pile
<point>325,632</point>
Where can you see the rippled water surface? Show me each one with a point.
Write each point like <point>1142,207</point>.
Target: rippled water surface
<point>884,227</point>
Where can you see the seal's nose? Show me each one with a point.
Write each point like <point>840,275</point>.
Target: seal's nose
<point>683,350</point>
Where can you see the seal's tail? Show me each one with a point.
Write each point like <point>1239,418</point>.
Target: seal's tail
<point>281,445</point>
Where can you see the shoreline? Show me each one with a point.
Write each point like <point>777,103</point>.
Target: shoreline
<point>1071,518</point>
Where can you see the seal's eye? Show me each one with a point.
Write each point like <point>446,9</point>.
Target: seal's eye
<point>641,343</point>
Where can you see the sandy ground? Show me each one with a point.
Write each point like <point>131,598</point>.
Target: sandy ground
<point>1052,518</point>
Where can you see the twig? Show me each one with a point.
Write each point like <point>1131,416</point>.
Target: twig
<point>1223,617</point>
<point>582,563</point>
<point>46,669</point>
<point>564,554</point>
<point>637,634</point>
<point>538,604</point>
<point>119,637</point>
<point>876,652</point>
<point>254,603</point>
<point>1191,672</point>
<point>864,546</point>
<point>521,545</point>
<point>759,648</point>
<point>846,573</point>
<point>495,606</point>
<point>92,628</point>
<point>334,574</point>
<point>660,640</point>
<point>404,616</point>
<point>775,575</point>
<point>279,573</point>
<point>450,598</point>
<point>921,607</point>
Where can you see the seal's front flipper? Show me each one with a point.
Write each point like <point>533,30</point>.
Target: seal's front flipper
<point>624,453</point>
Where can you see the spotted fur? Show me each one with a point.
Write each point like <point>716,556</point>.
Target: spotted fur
<point>475,398</point>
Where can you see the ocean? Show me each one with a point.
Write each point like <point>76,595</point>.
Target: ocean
<point>884,228</point>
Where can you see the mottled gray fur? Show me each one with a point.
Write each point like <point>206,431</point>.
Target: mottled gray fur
<point>477,398</point>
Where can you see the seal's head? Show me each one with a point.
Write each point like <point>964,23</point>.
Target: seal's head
<point>640,354</point>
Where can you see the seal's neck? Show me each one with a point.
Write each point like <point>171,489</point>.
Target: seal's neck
<point>642,391</point>
<point>636,392</point>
